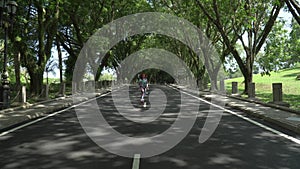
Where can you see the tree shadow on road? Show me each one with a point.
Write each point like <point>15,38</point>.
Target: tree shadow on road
<point>60,142</point>
<point>235,144</point>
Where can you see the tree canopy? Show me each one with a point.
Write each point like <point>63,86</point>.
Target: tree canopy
<point>44,26</point>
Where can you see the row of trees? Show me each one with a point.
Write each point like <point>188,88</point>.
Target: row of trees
<point>65,25</point>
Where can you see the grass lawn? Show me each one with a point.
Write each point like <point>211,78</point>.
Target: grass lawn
<point>263,84</point>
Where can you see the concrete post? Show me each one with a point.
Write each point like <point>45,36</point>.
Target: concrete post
<point>87,86</point>
<point>23,95</point>
<point>74,87</point>
<point>101,84</point>
<point>1,98</point>
<point>90,86</point>
<point>199,84</point>
<point>251,90</point>
<point>62,89</point>
<point>46,91</point>
<point>104,84</point>
<point>97,85</point>
<point>234,87</point>
<point>277,92</point>
<point>205,85</point>
<point>83,86</point>
<point>278,96</point>
<point>107,84</point>
<point>222,85</point>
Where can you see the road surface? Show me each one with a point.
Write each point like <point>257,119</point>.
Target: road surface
<point>60,142</point>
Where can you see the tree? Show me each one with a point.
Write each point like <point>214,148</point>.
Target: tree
<point>294,8</point>
<point>60,60</point>
<point>251,18</point>
<point>36,30</point>
<point>294,43</point>
<point>50,68</point>
<point>275,54</point>
<point>84,19</point>
<point>78,22</point>
<point>200,68</point>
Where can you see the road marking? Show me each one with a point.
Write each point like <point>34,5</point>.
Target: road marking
<point>50,115</point>
<point>293,139</point>
<point>136,161</point>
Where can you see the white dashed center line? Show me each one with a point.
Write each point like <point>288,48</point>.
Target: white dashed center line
<point>136,161</point>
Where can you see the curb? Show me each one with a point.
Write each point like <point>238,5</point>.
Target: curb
<point>279,123</point>
<point>39,113</point>
<point>35,114</point>
<point>23,107</point>
<point>268,119</point>
<point>265,104</point>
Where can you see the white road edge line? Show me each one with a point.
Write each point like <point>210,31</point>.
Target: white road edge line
<point>293,139</point>
<point>50,115</point>
<point>136,161</point>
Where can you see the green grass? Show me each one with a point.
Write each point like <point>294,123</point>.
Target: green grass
<point>51,80</point>
<point>263,85</point>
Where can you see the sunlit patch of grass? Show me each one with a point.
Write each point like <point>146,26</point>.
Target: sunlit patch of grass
<point>263,84</point>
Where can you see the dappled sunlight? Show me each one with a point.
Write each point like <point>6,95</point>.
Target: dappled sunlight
<point>224,159</point>
<point>81,155</point>
<point>38,106</point>
<point>65,145</point>
<point>176,161</point>
<point>235,143</point>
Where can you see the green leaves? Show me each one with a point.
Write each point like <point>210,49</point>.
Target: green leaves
<point>227,23</point>
<point>275,55</point>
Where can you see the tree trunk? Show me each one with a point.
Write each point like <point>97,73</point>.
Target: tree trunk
<point>60,66</point>
<point>248,75</point>
<point>294,8</point>
<point>47,78</point>
<point>103,63</point>
<point>36,83</point>
<point>17,70</point>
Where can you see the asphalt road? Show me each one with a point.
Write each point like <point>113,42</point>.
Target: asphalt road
<point>60,141</point>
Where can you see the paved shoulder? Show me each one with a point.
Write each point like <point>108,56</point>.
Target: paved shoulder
<point>283,118</point>
<point>13,117</point>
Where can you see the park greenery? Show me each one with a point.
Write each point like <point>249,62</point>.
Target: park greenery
<point>249,36</point>
<point>263,85</point>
